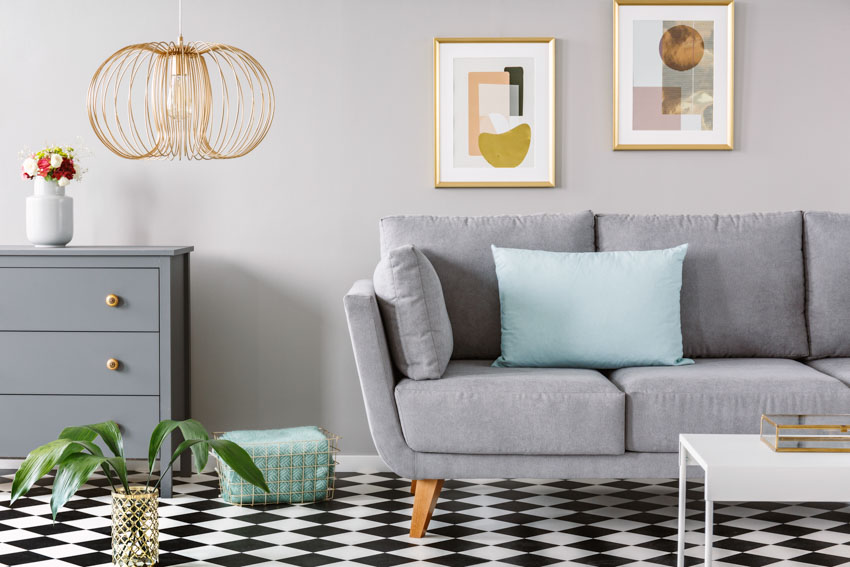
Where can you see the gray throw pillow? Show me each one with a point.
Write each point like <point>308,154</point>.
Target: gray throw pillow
<point>411,300</point>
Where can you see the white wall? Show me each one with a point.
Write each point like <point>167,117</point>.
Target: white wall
<point>281,234</point>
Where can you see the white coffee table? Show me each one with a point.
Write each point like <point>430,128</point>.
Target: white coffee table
<point>741,468</point>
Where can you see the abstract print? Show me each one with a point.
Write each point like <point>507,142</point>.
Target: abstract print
<point>496,95</point>
<point>673,80</point>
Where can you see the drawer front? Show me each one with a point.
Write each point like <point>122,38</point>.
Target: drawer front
<point>29,421</point>
<point>74,299</point>
<point>76,363</point>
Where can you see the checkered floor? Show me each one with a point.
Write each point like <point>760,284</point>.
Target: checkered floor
<point>508,522</point>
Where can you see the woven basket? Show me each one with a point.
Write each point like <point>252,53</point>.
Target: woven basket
<point>135,527</point>
<point>295,472</point>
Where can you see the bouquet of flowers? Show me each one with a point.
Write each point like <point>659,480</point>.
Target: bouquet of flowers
<point>53,163</point>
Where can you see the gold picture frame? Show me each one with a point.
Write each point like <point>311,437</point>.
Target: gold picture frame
<point>546,178</point>
<point>727,142</point>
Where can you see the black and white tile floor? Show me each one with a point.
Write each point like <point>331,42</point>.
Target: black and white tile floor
<point>507,522</point>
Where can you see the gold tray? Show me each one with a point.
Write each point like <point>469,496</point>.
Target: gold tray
<point>806,433</point>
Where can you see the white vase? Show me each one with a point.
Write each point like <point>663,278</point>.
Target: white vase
<point>50,214</point>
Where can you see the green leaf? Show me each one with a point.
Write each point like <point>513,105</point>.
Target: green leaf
<point>81,433</point>
<point>229,452</point>
<point>119,464</point>
<point>85,436</point>
<point>160,432</point>
<point>76,470</point>
<point>93,449</point>
<point>240,461</point>
<point>40,462</point>
<point>193,430</point>
<point>78,447</point>
<point>186,445</point>
<point>235,456</point>
<point>177,452</point>
<point>111,435</point>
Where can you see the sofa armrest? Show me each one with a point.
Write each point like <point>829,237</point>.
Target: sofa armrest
<point>372,357</point>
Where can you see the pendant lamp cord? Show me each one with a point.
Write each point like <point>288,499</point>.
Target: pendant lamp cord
<point>180,18</point>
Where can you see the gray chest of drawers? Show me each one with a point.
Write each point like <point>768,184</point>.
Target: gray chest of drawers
<point>89,334</point>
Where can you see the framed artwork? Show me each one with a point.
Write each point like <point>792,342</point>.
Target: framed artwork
<point>673,74</point>
<point>494,112</point>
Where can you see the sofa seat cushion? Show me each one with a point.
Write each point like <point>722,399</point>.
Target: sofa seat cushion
<point>719,396</point>
<point>476,408</point>
<point>838,368</point>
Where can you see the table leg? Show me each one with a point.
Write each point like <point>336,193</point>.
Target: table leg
<point>709,530</point>
<point>683,487</point>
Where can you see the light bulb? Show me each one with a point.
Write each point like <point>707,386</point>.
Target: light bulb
<point>179,102</point>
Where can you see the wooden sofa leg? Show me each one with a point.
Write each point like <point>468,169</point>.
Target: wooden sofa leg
<point>427,492</point>
<point>413,487</point>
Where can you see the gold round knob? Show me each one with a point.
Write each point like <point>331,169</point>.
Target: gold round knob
<point>112,364</point>
<point>112,300</point>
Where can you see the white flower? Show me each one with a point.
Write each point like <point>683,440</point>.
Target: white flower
<point>63,181</point>
<point>30,166</point>
<point>55,160</point>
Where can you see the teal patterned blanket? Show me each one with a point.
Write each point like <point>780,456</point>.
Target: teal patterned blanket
<point>297,463</point>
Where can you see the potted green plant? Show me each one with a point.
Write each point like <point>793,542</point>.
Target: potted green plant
<point>135,515</point>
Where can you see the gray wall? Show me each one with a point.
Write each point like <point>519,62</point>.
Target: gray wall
<point>281,233</point>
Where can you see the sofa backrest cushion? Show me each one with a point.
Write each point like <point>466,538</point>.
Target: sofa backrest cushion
<point>827,247</point>
<point>743,292</point>
<point>459,249</point>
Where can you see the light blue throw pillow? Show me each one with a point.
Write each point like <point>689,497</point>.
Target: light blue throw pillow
<point>590,309</point>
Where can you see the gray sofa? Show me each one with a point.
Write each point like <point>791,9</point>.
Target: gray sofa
<point>765,313</point>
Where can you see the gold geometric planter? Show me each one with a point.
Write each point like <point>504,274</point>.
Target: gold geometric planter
<point>135,527</point>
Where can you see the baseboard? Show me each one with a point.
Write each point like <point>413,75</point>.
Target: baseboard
<point>361,464</point>
<point>347,463</point>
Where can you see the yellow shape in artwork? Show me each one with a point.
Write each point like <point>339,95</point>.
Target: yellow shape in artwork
<point>507,149</point>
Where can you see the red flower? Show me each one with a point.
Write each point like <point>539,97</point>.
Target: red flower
<point>65,170</point>
<point>44,166</point>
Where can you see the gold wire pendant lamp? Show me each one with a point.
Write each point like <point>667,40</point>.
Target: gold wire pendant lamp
<point>158,101</point>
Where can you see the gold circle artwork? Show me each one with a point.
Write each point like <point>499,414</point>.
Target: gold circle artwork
<point>681,48</point>
<point>166,100</point>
